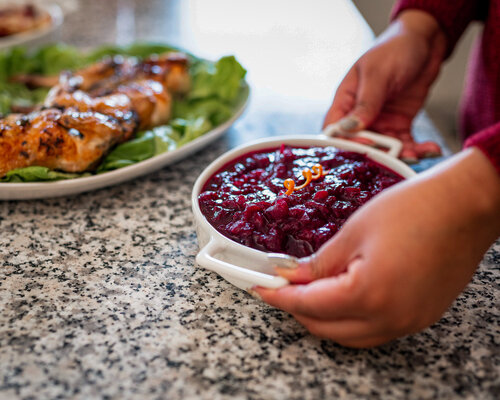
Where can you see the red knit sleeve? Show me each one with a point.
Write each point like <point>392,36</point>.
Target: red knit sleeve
<point>488,141</point>
<point>453,16</point>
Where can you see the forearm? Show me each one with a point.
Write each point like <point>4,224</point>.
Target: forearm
<point>452,16</point>
<point>466,190</point>
<point>488,141</point>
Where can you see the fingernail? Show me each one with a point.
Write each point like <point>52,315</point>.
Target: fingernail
<point>283,261</point>
<point>350,124</point>
<point>427,149</point>
<point>409,156</point>
<point>254,294</point>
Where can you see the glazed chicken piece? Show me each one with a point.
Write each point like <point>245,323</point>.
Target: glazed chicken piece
<point>68,140</point>
<point>116,105</point>
<point>90,111</point>
<point>148,99</point>
<point>147,84</point>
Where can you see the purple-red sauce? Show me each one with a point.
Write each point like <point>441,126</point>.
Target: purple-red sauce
<point>246,201</point>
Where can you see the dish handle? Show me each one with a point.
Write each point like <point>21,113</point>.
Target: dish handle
<point>244,278</point>
<point>392,145</point>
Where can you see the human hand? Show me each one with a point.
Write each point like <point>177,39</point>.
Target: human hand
<point>399,261</point>
<point>387,86</point>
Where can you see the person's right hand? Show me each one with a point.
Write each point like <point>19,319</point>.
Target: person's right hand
<point>400,260</point>
<point>387,86</point>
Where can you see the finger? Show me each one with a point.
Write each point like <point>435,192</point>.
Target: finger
<point>370,98</point>
<point>365,343</point>
<point>329,298</point>
<point>347,332</point>
<point>427,149</point>
<point>408,155</point>
<point>302,273</point>
<point>331,259</point>
<point>340,329</point>
<point>357,333</point>
<point>406,138</point>
<point>344,99</point>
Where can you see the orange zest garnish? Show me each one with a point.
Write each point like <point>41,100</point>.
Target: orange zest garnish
<point>318,171</point>
<point>289,186</point>
<point>308,175</point>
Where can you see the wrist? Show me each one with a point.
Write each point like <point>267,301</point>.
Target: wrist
<point>484,178</point>
<point>424,25</point>
<point>421,30</point>
<point>419,22</point>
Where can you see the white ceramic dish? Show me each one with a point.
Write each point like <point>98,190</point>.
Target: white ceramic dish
<point>35,36</point>
<point>39,190</point>
<point>246,267</point>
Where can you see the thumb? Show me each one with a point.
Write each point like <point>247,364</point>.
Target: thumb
<point>330,260</point>
<point>371,95</point>
<point>344,99</point>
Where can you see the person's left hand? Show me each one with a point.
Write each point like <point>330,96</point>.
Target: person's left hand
<point>387,86</point>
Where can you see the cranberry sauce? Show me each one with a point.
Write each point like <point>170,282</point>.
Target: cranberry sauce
<point>246,199</point>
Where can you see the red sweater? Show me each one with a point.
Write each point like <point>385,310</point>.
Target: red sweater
<point>480,108</point>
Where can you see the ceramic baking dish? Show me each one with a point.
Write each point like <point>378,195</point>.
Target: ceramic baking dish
<point>246,267</point>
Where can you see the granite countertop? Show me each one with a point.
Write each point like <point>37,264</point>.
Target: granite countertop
<point>100,298</point>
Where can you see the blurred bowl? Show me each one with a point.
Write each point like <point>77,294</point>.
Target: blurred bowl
<point>36,37</point>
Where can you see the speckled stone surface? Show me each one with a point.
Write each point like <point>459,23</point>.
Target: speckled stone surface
<point>100,298</point>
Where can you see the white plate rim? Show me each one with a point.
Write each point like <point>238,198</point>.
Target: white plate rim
<point>17,39</point>
<point>40,190</point>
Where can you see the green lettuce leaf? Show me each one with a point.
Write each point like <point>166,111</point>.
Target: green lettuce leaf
<point>190,129</point>
<point>148,144</point>
<point>221,80</point>
<point>52,59</point>
<point>15,94</point>
<point>4,66</point>
<point>18,62</point>
<point>37,174</point>
<point>211,109</point>
<point>143,50</point>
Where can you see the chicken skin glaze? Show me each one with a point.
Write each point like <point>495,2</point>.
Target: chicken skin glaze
<point>88,112</point>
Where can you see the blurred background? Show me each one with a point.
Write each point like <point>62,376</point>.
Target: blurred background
<point>294,54</point>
